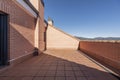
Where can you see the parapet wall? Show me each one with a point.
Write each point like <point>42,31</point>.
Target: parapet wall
<point>57,39</point>
<point>107,53</point>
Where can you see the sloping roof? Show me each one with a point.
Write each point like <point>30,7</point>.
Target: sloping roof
<point>65,33</point>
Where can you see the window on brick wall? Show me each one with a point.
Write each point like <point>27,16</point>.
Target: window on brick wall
<point>3,39</point>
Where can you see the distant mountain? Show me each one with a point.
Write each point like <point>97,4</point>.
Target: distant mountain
<point>99,38</point>
<point>107,38</point>
<point>83,38</point>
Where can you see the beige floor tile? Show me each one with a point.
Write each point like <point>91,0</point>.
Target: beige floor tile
<point>70,78</point>
<point>76,68</point>
<point>82,78</point>
<point>41,73</point>
<point>61,68</point>
<point>59,78</point>
<point>38,78</point>
<point>49,78</point>
<point>68,68</point>
<point>52,67</point>
<point>78,73</point>
<point>26,78</point>
<point>69,73</point>
<point>60,73</point>
<point>50,73</point>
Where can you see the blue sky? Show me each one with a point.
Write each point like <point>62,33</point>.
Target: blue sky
<point>85,18</point>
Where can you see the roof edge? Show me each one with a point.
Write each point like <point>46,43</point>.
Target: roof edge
<point>43,3</point>
<point>31,6</point>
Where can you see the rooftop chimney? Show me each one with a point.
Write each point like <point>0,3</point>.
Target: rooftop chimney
<point>50,21</point>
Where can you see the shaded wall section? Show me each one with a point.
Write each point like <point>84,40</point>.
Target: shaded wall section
<point>57,39</point>
<point>108,53</point>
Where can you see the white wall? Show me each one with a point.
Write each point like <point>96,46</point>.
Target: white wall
<point>57,39</point>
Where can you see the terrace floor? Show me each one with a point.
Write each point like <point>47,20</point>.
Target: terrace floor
<point>57,65</point>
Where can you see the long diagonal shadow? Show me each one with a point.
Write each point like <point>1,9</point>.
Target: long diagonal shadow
<point>57,65</point>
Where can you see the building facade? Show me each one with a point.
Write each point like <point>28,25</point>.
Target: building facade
<point>21,29</point>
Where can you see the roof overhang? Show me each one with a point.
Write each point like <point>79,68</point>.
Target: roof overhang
<point>29,7</point>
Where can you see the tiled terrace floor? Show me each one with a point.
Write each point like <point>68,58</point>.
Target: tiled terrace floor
<point>57,65</point>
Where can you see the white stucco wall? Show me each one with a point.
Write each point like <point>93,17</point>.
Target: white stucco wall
<point>56,39</point>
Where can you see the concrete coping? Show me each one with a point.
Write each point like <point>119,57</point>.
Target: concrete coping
<point>111,41</point>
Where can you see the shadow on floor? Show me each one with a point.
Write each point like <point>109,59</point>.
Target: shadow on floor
<point>57,65</point>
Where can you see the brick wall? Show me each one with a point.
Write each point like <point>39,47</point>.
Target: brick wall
<point>107,53</point>
<point>41,27</point>
<point>21,29</point>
